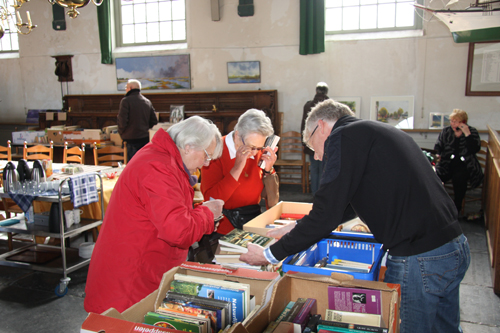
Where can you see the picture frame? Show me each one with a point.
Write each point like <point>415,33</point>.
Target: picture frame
<point>354,103</point>
<point>436,120</point>
<point>483,71</point>
<point>243,72</point>
<point>176,113</point>
<point>155,72</point>
<point>393,110</point>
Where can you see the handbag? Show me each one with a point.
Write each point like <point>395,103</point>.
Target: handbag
<point>241,215</point>
<point>271,191</point>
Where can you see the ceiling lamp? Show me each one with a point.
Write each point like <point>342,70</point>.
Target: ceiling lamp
<point>7,20</point>
<point>73,5</point>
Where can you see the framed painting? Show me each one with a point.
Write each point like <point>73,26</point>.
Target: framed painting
<point>393,110</point>
<point>155,73</point>
<point>483,69</point>
<point>435,120</point>
<point>354,103</point>
<point>243,72</point>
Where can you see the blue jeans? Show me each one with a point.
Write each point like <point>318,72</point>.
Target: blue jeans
<point>316,170</point>
<point>430,284</point>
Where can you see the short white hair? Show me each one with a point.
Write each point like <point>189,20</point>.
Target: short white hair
<point>329,111</point>
<point>134,84</point>
<point>198,133</point>
<point>254,121</point>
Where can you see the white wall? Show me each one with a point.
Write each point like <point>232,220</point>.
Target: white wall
<point>432,68</point>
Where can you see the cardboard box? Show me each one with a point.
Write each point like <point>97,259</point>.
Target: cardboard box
<point>156,127</point>
<point>18,138</point>
<point>97,324</point>
<point>258,224</point>
<point>292,286</point>
<point>261,286</point>
<point>85,136</point>
<point>116,139</point>
<point>56,136</point>
<point>110,129</point>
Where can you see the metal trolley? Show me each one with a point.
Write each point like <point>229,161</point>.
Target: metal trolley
<point>69,260</point>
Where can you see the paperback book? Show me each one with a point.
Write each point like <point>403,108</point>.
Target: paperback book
<point>354,317</point>
<point>237,240</point>
<point>355,300</point>
<point>347,327</point>
<point>170,321</point>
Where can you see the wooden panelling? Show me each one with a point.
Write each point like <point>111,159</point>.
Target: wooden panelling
<point>492,205</point>
<point>222,107</point>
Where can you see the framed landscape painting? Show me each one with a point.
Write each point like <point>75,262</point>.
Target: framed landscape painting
<point>243,72</point>
<point>435,120</point>
<point>354,103</point>
<point>393,110</point>
<point>155,73</point>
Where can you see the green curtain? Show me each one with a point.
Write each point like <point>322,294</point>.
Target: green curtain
<point>104,22</point>
<point>312,26</point>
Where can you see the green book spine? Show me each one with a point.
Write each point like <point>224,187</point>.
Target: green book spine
<point>155,319</point>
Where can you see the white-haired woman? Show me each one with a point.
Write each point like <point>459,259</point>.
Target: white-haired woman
<point>236,177</point>
<point>150,221</point>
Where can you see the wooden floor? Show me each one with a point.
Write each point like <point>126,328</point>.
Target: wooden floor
<point>28,302</point>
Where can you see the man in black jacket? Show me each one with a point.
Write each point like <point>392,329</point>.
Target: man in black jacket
<point>378,173</point>
<point>135,118</point>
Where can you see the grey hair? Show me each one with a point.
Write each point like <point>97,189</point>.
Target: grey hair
<point>329,111</point>
<point>198,133</point>
<point>254,121</point>
<point>322,88</point>
<point>135,84</point>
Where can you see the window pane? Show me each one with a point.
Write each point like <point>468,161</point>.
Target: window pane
<point>385,1</point>
<point>5,43</point>
<point>368,17</point>
<point>140,13</point>
<point>140,33</point>
<point>405,16</point>
<point>178,10</point>
<point>333,19</point>
<point>165,11</point>
<point>14,38</point>
<point>179,30</point>
<point>165,31</point>
<point>350,19</point>
<point>368,2</point>
<point>127,14</point>
<point>128,34</point>
<point>152,12</point>
<point>333,3</point>
<point>347,3</point>
<point>153,32</point>
<point>386,15</point>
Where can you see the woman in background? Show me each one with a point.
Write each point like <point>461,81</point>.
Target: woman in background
<point>456,147</point>
<point>150,222</point>
<point>236,177</point>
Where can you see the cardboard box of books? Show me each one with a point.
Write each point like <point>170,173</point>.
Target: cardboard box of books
<point>258,224</point>
<point>18,138</point>
<point>260,286</point>
<point>377,303</point>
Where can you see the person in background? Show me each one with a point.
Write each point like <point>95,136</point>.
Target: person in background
<point>135,117</point>
<point>456,147</point>
<point>316,167</point>
<point>379,173</point>
<point>150,222</point>
<point>236,177</point>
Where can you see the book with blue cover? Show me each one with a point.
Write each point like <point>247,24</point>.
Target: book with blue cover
<point>235,296</point>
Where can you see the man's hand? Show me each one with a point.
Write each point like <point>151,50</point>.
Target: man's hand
<point>280,231</point>
<point>254,256</point>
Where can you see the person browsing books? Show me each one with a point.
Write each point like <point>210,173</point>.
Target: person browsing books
<point>456,147</point>
<point>150,221</point>
<point>379,172</point>
<point>236,177</point>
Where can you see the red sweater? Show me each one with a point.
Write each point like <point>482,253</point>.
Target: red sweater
<point>218,183</point>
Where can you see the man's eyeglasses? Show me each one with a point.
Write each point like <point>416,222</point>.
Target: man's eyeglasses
<point>208,158</point>
<point>308,140</point>
<point>252,147</point>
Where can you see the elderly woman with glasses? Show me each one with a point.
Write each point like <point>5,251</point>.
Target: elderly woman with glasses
<point>236,177</point>
<point>150,221</point>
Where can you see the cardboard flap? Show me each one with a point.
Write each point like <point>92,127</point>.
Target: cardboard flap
<point>240,272</point>
<point>112,312</point>
<point>335,278</point>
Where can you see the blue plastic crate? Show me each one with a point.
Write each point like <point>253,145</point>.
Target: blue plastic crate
<point>365,252</point>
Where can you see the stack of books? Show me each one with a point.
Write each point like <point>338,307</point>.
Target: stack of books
<point>237,240</point>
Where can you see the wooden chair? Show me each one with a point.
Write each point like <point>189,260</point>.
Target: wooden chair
<point>74,154</point>
<point>38,152</point>
<point>6,153</point>
<point>291,162</point>
<point>110,155</point>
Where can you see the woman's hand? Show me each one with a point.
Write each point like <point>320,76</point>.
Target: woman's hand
<point>280,231</point>
<point>242,154</point>
<point>464,128</point>
<point>269,156</point>
<point>215,207</point>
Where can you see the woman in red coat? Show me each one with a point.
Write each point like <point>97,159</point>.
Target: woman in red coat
<point>150,222</point>
<point>236,178</point>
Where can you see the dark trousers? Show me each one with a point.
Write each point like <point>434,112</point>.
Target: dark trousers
<point>133,148</point>
<point>458,176</point>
